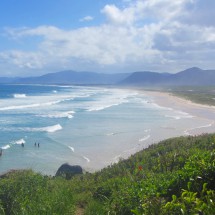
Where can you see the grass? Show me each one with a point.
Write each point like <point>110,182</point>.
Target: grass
<point>175,176</point>
<point>202,95</point>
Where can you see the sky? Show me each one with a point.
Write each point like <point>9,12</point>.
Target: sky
<point>108,36</point>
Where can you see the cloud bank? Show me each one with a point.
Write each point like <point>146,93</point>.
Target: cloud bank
<point>157,35</point>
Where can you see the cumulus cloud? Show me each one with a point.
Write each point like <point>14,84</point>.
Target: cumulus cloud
<point>160,35</point>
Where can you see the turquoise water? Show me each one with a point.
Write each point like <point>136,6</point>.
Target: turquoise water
<point>89,126</point>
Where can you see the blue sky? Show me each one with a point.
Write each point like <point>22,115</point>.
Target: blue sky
<point>37,36</point>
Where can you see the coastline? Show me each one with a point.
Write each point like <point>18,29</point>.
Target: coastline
<point>201,111</point>
<point>149,117</point>
<point>198,119</point>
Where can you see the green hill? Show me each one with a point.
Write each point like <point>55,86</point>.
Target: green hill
<point>175,176</point>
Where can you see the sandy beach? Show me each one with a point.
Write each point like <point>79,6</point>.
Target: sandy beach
<point>199,111</point>
<point>98,128</point>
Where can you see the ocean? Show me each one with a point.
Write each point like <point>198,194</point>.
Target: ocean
<point>42,127</point>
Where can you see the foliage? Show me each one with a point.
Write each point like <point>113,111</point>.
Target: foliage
<point>175,176</point>
<point>197,94</point>
<point>25,192</point>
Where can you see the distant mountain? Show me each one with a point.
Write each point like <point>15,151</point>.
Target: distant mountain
<point>73,77</point>
<point>146,78</point>
<point>189,77</point>
<point>5,80</point>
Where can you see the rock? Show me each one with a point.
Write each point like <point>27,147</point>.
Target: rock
<point>68,171</point>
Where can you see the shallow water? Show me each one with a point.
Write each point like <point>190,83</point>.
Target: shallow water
<point>89,126</point>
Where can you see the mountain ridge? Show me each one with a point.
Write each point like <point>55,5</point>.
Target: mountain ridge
<point>192,76</point>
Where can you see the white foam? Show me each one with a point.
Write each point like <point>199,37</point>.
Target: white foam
<point>19,142</point>
<point>60,115</point>
<point>184,114</point>
<point>34,105</point>
<point>87,159</point>
<point>144,138</point>
<point>154,105</point>
<point>19,95</point>
<point>98,108</point>
<point>50,129</point>
<point>174,117</point>
<point>73,150</point>
<point>109,99</point>
<point>17,107</point>
<point>179,115</point>
<point>187,132</point>
<point>5,147</point>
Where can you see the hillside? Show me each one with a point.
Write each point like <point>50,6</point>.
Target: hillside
<point>190,77</point>
<point>73,77</point>
<point>175,176</point>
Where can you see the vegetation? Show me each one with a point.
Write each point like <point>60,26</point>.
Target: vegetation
<point>176,176</point>
<point>202,95</point>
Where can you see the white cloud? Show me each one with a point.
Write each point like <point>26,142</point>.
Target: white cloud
<point>86,18</point>
<point>117,16</point>
<point>143,35</point>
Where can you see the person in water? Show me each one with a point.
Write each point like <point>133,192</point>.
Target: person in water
<point>22,144</point>
<point>1,152</point>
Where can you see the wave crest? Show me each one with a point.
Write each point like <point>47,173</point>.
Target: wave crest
<point>19,142</point>
<point>50,129</point>
<point>16,95</point>
<point>60,115</point>
<point>5,147</point>
<point>144,138</point>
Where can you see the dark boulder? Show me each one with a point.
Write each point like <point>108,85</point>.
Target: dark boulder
<point>68,171</point>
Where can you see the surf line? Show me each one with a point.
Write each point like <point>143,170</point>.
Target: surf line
<point>82,156</point>
<point>187,131</point>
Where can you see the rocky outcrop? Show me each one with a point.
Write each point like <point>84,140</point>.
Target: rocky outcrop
<point>68,171</point>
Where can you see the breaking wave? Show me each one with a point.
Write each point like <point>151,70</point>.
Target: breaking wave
<point>73,150</point>
<point>18,107</point>
<point>144,138</point>
<point>19,95</point>
<point>187,132</point>
<point>19,142</point>
<point>87,159</point>
<point>5,147</point>
<point>60,115</point>
<point>50,129</point>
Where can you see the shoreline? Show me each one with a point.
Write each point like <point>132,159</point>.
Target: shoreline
<point>201,111</point>
<point>122,143</point>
